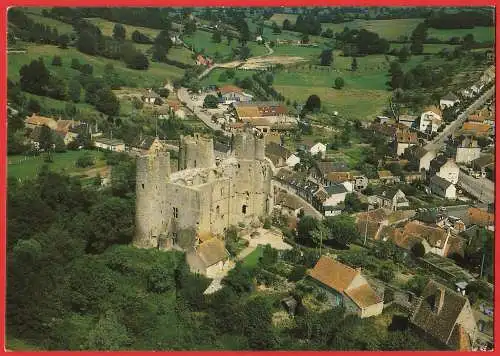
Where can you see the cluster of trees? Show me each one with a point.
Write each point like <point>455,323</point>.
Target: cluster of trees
<point>28,30</point>
<point>361,42</point>
<point>91,41</point>
<point>418,37</point>
<point>308,24</point>
<point>460,19</point>
<point>421,76</point>
<point>35,78</point>
<point>340,230</point>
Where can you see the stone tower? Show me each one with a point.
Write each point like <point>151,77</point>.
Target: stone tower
<point>248,145</point>
<point>196,152</point>
<point>152,177</point>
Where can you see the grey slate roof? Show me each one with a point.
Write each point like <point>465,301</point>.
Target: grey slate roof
<point>440,182</point>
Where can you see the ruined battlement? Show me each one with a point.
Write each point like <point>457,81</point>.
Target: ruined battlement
<point>196,151</point>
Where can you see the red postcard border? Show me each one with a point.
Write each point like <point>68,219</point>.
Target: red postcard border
<point>195,3</point>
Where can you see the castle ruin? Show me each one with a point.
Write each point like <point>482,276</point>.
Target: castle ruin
<point>205,196</point>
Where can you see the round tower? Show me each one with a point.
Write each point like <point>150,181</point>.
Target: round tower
<point>152,176</point>
<point>196,152</point>
<point>247,145</point>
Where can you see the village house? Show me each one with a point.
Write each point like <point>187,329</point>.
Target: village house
<point>420,157</point>
<point>410,121</point>
<point>387,177</point>
<point>430,120</point>
<point>209,258</point>
<point>204,61</point>
<point>410,177</point>
<point>449,100</point>
<point>288,204</point>
<point>147,145</point>
<point>259,110</point>
<point>277,154</point>
<point>433,238</point>
<point>480,217</point>
<point>152,98</point>
<point>336,193</point>
<point>480,115</point>
<point>404,139</point>
<point>392,199</point>
<point>445,168</point>
<point>175,108</point>
<point>338,177</point>
<point>347,287</point>
<point>109,144</point>
<point>445,317</point>
<point>476,129</point>
<point>323,168</point>
<point>370,223</point>
<point>231,93</point>
<point>318,148</point>
<point>443,187</point>
<point>485,164</point>
<point>467,151</point>
<point>36,120</point>
<point>292,160</point>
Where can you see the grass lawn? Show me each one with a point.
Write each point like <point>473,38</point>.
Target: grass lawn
<point>62,27</point>
<point>181,54</point>
<point>297,51</point>
<point>279,18</point>
<point>155,75</point>
<point>26,167</point>
<point>481,34</point>
<point>107,28</point>
<point>391,30</point>
<point>253,258</point>
<point>202,40</point>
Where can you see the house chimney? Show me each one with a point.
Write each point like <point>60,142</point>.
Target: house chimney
<point>438,300</point>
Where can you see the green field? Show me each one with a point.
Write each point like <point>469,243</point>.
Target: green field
<point>107,28</point>
<point>202,41</point>
<point>279,18</point>
<point>429,48</point>
<point>253,258</point>
<point>213,76</point>
<point>154,76</point>
<point>61,27</point>
<point>391,30</point>
<point>26,167</point>
<point>481,34</point>
<point>305,52</point>
<point>181,54</point>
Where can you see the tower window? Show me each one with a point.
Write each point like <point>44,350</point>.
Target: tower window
<point>142,186</point>
<point>194,163</point>
<point>174,238</point>
<point>217,210</point>
<point>244,209</point>
<point>176,212</point>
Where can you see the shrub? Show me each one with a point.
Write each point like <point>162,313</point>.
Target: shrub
<point>84,161</point>
<point>57,61</point>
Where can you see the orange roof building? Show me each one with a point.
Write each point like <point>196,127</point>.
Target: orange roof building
<point>480,217</point>
<point>346,286</point>
<point>476,128</point>
<point>36,120</point>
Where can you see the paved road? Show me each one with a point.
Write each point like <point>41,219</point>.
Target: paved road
<point>439,141</point>
<point>481,188</point>
<point>184,97</point>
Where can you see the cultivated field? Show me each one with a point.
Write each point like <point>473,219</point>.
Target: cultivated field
<point>107,28</point>
<point>481,34</point>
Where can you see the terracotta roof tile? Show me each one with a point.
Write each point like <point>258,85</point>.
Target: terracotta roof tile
<point>480,217</point>
<point>363,296</point>
<point>333,273</point>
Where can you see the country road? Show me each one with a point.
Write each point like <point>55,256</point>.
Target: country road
<point>234,64</point>
<point>439,141</point>
<point>481,188</point>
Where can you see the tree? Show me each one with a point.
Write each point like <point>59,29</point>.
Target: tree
<point>211,101</point>
<point>275,28</point>
<point>404,54</point>
<point>417,284</point>
<point>353,204</point>
<point>75,64</point>
<point>161,279</point>
<point>87,69</point>
<point>468,41</point>
<point>313,103</point>
<point>119,32</point>
<point>74,90</point>
<point>326,57</point>
<point>342,229</point>
<point>217,37</point>
<point>417,47</point>
<point>306,225</point>
<point>86,160</point>
<point>140,37</point>
<point>56,61</point>
<point>354,64</point>
<point>107,103</point>
<point>239,279</point>
<point>320,234</point>
<point>63,41</point>
<point>33,106</point>
<point>108,335</point>
<point>418,250</point>
<point>287,25</point>
<point>339,83</point>
<point>34,77</point>
<point>88,42</point>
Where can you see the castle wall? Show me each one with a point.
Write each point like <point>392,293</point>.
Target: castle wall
<point>196,152</point>
<point>152,175</point>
